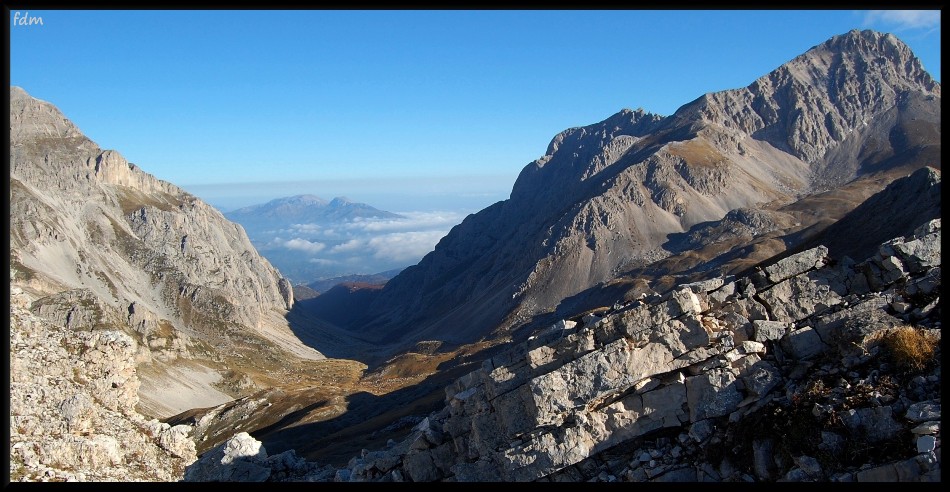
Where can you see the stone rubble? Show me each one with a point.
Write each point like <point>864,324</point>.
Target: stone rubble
<point>243,459</point>
<point>72,407</point>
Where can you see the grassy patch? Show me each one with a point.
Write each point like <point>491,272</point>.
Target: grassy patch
<point>131,199</point>
<point>696,153</point>
<point>23,274</point>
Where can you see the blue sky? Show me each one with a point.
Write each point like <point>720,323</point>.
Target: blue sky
<point>405,110</point>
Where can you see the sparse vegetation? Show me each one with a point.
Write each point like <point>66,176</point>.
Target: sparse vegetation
<point>697,153</point>
<point>911,349</point>
<point>23,274</point>
<point>131,199</point>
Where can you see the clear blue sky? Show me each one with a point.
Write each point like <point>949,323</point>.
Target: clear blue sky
<point>381,105</point>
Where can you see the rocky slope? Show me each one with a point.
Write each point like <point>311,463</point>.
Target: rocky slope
<point>891,213</point>
<point>72,407</point>
<point>100,244</point>
<point>857,110</point>
<point>804,370</point>
<point>745,237</point>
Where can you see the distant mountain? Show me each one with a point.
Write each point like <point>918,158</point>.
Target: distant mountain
<point>302,292</point>
<point>340,296</point>
<point>309,238</point>
<point>803,145</point>
<point>345,298</point>
<point>374,279</point>
<point>301,209</point>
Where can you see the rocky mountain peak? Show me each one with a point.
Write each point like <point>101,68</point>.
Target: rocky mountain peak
<point>625,122</point>
<point>884,47</point>
<point>810,104</point>
<point>577,154</point>
<point>867,56</point>
<point>32,118</point>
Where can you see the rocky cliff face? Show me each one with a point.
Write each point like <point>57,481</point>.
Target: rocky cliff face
<point>101,244</point>
<point>805,370</point>
<point>817,101</point>
<point>604,198</point>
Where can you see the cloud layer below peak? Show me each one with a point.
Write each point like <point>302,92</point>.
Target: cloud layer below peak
<point>309,251</point>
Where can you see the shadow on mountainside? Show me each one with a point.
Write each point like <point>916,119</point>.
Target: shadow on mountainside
<point>333,341</point>
<point>369,421</point>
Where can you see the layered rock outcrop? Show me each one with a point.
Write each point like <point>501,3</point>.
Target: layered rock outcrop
<point>707,356</point>
<point>791,373</point>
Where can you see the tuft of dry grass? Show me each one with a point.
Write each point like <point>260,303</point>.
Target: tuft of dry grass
<point>911,348</point>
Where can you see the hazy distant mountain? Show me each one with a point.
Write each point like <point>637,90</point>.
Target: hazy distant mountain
<point>308,238</point>
<point>803,144</point>
<point>344,293</point>
<point>305,209</point>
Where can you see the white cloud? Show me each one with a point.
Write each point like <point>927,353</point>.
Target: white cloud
<point>305,228</point>
<point>904,19</point>
<point>408,246</point>
<point>322,261</point>
<point>275,242</point>
<point>414,221</point>
<point>351,245</point>
<point>304,245</point>
<point>405,246</point>
<point>362,245</point>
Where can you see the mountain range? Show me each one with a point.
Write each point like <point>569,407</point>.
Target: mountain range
<point>709,295</point>
<point>611,202</point>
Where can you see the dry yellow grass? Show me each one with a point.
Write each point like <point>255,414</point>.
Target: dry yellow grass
<point>131,199</point>
<point>911,348</point>
<point>696,153</point>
